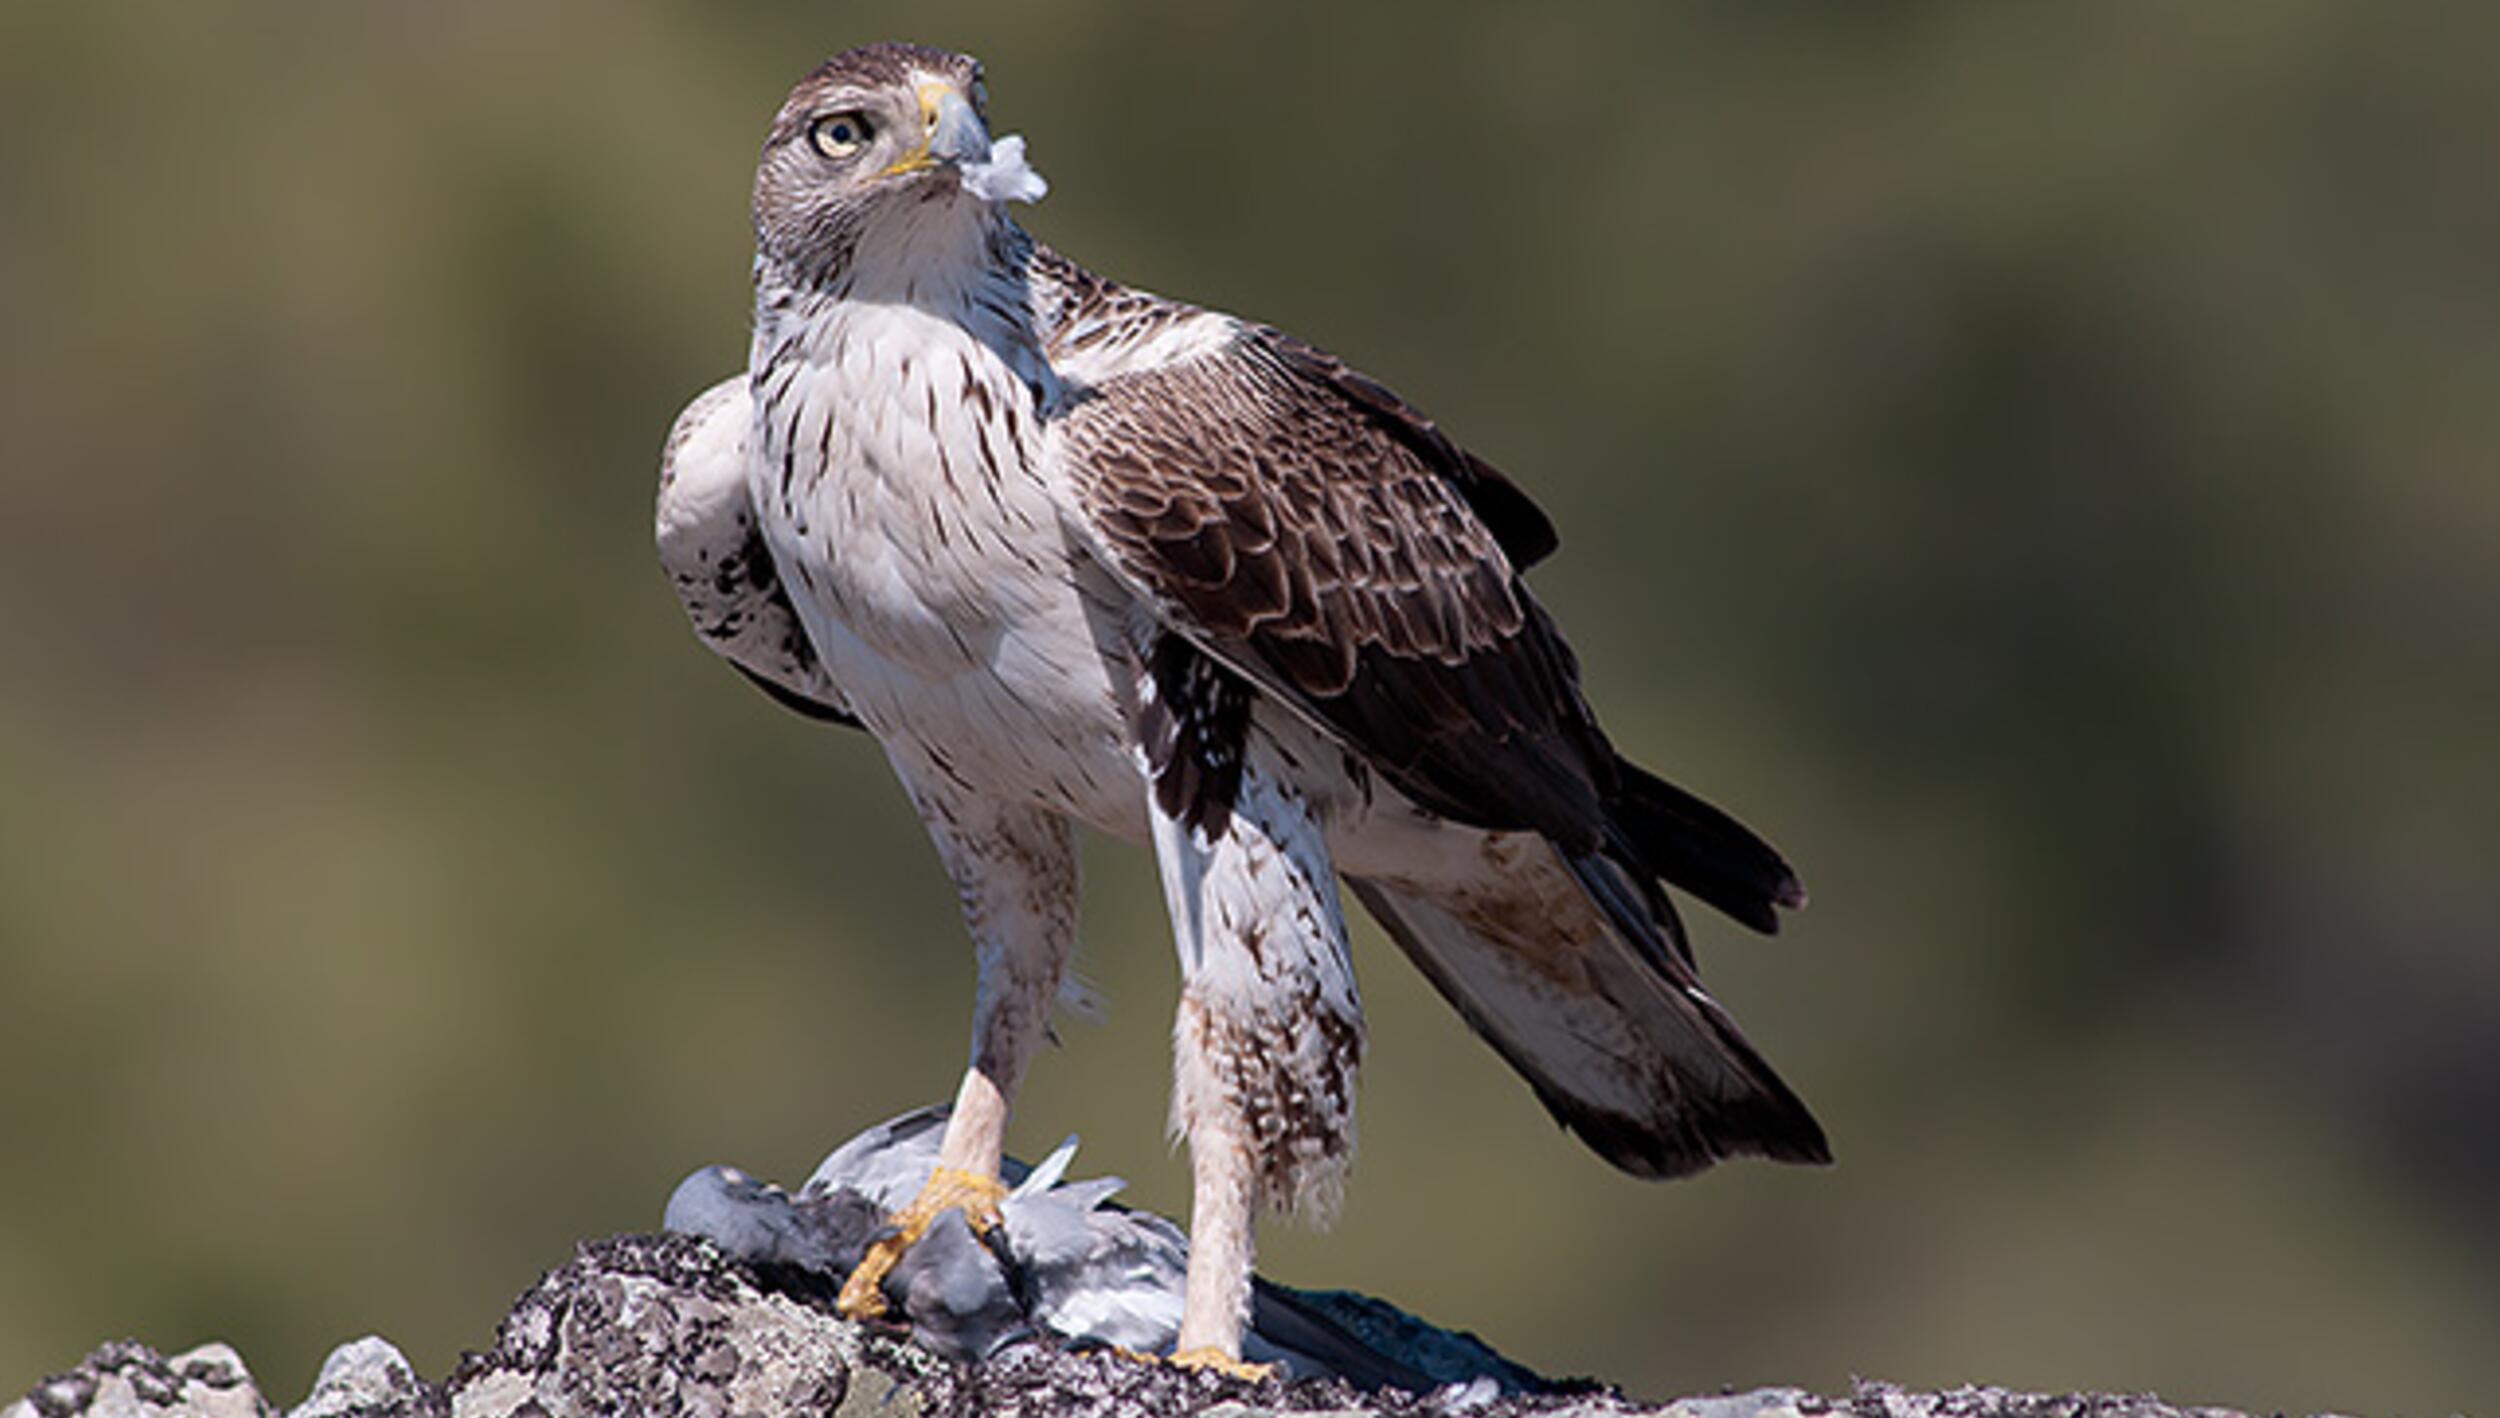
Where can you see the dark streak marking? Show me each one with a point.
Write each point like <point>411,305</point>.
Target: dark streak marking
<point>1193,720</point>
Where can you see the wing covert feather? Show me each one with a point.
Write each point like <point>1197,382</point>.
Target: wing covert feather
<point>1309,528</point>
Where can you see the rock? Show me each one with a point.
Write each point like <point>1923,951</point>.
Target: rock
<point>369,1378</point>
<point>661,1325</point>
<point>1761,1403</point>
<point>1881,1400</point>
<point>732,1313</point>
<point>666,1325</point>
<point>127,1379</point>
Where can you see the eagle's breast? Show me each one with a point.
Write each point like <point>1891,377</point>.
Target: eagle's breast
<point>900,469</point>
<point>900,481</point>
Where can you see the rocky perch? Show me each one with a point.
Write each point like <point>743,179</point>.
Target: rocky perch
<point>670,1324</point>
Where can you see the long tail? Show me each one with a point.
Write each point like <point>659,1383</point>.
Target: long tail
<point>1575,969</point>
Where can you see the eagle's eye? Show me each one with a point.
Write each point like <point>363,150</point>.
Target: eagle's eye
<point>838,135</point>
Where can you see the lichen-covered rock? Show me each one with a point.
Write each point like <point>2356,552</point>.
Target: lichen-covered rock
<point>1881,1400</point>
<point>657,1325</point>
<point>127,1379</point>
<point>667,1325</point>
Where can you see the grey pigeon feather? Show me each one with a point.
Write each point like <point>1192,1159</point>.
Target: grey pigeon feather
<point>1066,1262</point>
<point>959,1298</point>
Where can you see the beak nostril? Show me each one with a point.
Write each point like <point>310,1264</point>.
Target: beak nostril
<point>932,105</point>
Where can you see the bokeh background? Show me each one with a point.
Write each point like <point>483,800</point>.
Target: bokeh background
<point>2036,461</point>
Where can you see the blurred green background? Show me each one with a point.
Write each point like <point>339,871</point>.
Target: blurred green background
<point>2035,461</point>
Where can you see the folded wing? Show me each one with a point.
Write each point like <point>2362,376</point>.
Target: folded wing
<point>1322,540</point>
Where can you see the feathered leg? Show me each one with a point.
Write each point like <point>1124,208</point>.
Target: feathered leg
<point>1269,1032</point>
<point>1015,870</point>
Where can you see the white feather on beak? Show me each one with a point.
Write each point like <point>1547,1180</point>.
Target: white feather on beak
<point>992,172</point>
<point>1004,176</point>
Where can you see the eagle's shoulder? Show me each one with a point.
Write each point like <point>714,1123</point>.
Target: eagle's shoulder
<point>1325,540</point>
<point>1128,351</point>
<point>1095,330</point>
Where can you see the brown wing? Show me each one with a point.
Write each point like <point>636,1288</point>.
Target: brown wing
<point>1308,530</point>
<point>1314,532</point>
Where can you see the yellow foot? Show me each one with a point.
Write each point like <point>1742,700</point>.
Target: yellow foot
<point>949,1189</point>
<point>1208,1358</point>
<point>1217,1361</point>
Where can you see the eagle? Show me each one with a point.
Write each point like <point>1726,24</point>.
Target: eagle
<point>1076,554</point>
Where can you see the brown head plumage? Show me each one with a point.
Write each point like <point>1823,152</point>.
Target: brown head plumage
<point>872,129</point>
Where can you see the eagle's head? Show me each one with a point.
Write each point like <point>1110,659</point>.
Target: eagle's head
<point>885,145</point>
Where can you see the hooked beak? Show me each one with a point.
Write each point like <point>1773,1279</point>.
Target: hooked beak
<point>953,134</point>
